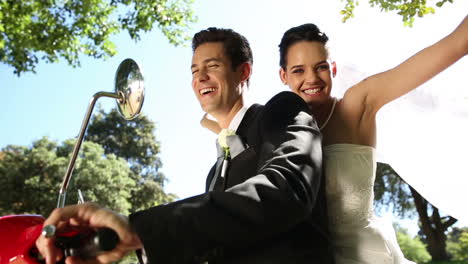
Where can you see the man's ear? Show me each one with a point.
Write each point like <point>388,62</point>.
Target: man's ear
<point>282,75</point>
<point>334,69</point>
<point>246,71</point>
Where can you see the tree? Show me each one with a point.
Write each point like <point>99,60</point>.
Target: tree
<point>433,226</point>
<point>119,170</point>
<point>413,248</point>
<point>390,189</point>
<point>457,244</point>
<point>407,9</point>
<point>135,142</point>
<point>33,30</point>
<point>31,177</point>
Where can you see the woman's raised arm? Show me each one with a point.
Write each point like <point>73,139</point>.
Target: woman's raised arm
<point>384,87</point>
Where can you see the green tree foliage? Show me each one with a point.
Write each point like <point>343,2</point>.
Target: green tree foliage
<point>135,142</point>
<point>457,244</point>
<point>31,177</point>
<point>407,9</point>
<point>413,248</point>
<point>34,30</point>
<point>391,190</point>
<point>120,170</point>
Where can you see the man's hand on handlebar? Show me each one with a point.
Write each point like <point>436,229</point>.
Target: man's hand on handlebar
<point>87,216</point>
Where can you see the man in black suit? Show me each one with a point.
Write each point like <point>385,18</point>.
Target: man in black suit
<point>265,200</point>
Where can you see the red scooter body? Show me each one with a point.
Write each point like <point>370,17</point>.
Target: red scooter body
<point>18,234</point>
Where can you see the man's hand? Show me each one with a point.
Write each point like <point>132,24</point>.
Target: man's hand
<point>87,216</point>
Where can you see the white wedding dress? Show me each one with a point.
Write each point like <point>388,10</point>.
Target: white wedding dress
<point>358,235</point>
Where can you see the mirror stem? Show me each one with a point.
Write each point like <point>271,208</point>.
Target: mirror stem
<point>84,125</point>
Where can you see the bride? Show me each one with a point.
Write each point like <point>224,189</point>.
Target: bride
<point>348,126</point>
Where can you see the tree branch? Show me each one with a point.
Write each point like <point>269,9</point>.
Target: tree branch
<point>449,222</point>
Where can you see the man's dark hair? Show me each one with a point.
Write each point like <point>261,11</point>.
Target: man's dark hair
<point>306,32</point>
<point>236,46</point>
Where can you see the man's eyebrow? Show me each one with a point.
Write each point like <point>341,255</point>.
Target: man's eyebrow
<point>206,61</point>
<point>212,59</point>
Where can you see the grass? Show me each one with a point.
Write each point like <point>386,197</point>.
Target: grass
<point>448,262</point>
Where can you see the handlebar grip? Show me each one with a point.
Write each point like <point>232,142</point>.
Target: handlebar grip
<point>90,245</point>
<point>107,239</point>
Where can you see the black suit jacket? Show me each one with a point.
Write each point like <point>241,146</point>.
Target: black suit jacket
<point>272,210</point>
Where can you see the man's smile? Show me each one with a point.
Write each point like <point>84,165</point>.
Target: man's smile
<point>208,90</point>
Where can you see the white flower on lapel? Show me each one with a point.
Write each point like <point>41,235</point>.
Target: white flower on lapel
<point>223,142</point>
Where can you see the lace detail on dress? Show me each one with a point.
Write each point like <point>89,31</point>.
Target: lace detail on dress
<point>350,184</point>
<point>349,208</point>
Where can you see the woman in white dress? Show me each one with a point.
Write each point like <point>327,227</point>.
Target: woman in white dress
<point>349,132</point>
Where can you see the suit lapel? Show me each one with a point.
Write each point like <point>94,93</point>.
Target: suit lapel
<point>247,121</point>
<point>239,143</point>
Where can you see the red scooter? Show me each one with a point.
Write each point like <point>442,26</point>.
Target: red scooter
<point>18,233</point>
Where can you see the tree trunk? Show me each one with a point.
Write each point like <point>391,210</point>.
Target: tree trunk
<point>433,227</point>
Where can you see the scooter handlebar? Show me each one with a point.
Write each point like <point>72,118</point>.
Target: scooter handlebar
<point>87,245</point>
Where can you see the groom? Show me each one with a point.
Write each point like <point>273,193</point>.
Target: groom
<point>265,205</point>
<point>265,200</point>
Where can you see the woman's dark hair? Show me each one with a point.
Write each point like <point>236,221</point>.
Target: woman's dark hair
<point>306,32</point>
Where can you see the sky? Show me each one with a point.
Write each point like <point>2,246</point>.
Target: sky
<point>53,101</point>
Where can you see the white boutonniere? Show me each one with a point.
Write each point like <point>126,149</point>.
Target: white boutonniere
<point>223,142</point>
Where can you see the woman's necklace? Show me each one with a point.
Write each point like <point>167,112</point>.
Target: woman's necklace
<point>329,115</point>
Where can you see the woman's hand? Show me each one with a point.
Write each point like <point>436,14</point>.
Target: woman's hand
<point>86,216</point>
